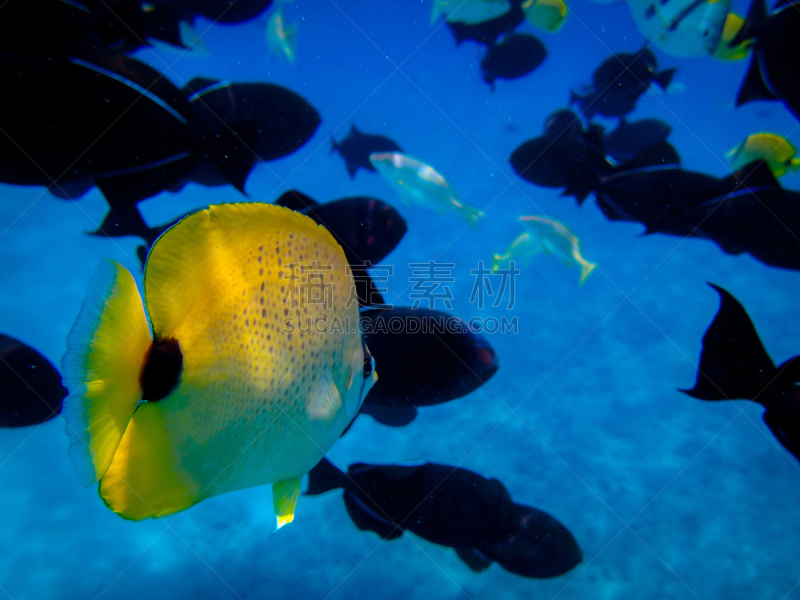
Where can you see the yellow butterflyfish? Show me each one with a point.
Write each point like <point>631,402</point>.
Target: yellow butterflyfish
<point>212,382</point>
<point>776,150</point>
<point>544,236</point>
<point>419,183</point>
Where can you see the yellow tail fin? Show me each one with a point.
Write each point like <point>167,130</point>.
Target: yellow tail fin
<point>106,348</point>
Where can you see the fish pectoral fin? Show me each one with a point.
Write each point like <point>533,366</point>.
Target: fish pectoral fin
<point>106,349</point>
<point>284,499</point>
<point>324,402</point>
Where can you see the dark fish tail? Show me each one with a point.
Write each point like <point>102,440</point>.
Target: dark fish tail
<point>324,477</point>
<point>733,362</point>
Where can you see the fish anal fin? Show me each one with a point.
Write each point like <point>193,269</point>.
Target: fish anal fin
<point>284,499</point>
<point>143,480</point>
<point>474,558</point>
<point>391,416</point>
<point>106,349</point>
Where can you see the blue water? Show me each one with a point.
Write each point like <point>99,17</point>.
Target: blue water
<point>668,497</point>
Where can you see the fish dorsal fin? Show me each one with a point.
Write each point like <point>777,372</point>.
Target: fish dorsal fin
<point>296,201</point>
<point>202,254</point>
<point>324,401</point>
<point>96,412</point>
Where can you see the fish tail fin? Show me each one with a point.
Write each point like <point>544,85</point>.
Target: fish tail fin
<point>106,349</point>
<point>664,77</point>
<point>733,362</point>
<point>586,269</point>
<point>473,215</point>
<point>324,477</point>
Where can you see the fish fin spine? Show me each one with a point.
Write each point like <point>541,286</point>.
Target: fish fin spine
<point>106,349</point>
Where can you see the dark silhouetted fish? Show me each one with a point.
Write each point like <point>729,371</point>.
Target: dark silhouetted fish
<point>367,229</point>
<point>424,357</point>
<point>58,28</point>
<point>630,138</point>
<point>776,52</point>
<point>515,56</point>
<point>356,148</point>
<point>489,31</point>
<point>70,139</point>
<point>250,122</point>
<point>564,156</point>
<point>734,365</point>
<point>618,82</point>
<point>30,386</point>
<point>754,214</point>
<point>747,211</point>
<point>452,507</point>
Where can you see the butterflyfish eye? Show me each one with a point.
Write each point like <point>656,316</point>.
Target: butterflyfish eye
<point>161,370</point>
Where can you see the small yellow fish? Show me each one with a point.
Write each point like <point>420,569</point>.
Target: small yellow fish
<point>419,183</point>
<point>469,12</point>
<point>775,149</point>
<point>548,237</point>
<point>280,40</point>
<point>733,23</point>
<point>202,387</point>
<point>546,14</point>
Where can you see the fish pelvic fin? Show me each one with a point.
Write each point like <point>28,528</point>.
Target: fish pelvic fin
<point>324,477</point>
<point>284,499</point>
<point>793,164</point>
<point>106,349</point>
